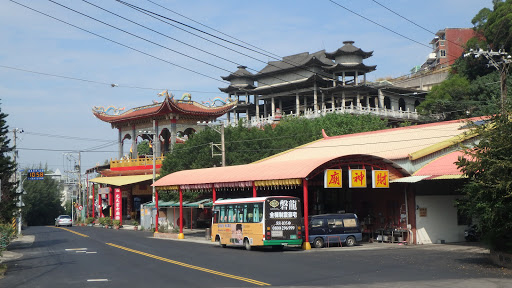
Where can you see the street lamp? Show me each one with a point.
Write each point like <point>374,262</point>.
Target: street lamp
<point>214,125</point>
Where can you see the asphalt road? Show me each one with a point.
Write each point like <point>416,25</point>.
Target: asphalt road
<point>95,257</point>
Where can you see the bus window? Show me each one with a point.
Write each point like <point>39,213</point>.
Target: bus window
<point>258,212</point>
<point>216,216</point>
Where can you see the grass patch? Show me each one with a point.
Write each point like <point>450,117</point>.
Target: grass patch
<point>3,268</point>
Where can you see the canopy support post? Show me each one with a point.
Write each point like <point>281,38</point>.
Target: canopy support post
<point>254,191</point>
<point>306,245</point>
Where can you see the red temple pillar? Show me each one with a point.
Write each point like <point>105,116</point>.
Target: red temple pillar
<point>306,245</point>
<point>254,191</point>
<point>214,193</point>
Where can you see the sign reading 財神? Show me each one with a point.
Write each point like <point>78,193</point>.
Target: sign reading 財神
<point>380,179</point>
<point>357,178</point>
<point>332,178</point>
<point>118,204</point>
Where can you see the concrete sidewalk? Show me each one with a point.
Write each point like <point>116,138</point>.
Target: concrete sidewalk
<point>20,242</point>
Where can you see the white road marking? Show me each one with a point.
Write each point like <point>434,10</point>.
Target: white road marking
<point>91,252</point>
<point>97,280</point>
<point>76,249</point>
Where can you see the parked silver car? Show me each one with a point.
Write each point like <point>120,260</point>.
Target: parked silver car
<point>63,220</point>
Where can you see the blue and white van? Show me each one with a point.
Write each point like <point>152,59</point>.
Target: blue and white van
<point>332,229</point>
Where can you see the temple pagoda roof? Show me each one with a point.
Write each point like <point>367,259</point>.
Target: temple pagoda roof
<point>349,49</point>
<point>237,88</point>
<point>168,106</point>
<point>240,73</point>
<point>296,61</point>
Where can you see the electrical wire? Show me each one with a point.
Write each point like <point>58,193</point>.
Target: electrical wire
<point>118,43</point>
<point>99,82</point>
<point>141,38</point>
<point>382,26</point>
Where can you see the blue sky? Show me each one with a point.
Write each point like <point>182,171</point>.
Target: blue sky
<point>43,105</point>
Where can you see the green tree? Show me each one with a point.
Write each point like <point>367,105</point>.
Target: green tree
<point>42,201</point>
<point>497,27</point>
<point>246,145</point>
<point>7,169</point>
<point>143,148</point>
<point>488,194</point>
<point>450,98</point>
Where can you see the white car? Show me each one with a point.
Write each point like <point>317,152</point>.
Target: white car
<point>63,220</point>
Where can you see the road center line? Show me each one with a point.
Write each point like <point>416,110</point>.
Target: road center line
<point>191,266</point>
<point>80,234</point>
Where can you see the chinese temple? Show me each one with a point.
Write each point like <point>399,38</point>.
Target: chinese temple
<point>311,85</point>
<point>164,124</point>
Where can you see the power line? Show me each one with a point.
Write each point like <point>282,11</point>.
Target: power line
<point>220,32</point>
<point>118,43</point>
<point>65,137</point>
<point>412,22</point>
<point>139,37</point>
<point>382,26</point>
<point>99,82</point>
<point>291,63</point>
<point>179,41</point>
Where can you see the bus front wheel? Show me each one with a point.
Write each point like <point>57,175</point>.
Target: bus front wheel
<point>247,245</point>
<point>220,244</point>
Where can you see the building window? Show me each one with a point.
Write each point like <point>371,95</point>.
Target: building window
<point>443,53</point>
<point>441,43</point>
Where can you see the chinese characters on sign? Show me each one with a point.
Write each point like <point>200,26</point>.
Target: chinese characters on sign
<point>357,178</point>
<point>118,204</point>
<point>332,178</point>
<point>380,179</point>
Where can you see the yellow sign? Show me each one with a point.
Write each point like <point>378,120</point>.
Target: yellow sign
<point>357,178</point>
<point>380,179</point>
<point>332,178</point>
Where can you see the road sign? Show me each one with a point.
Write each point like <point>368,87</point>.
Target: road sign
<point>80,208</point>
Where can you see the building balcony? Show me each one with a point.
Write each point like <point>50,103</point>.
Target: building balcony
<point>135,164</point>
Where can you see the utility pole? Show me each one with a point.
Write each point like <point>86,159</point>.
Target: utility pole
<point>222,147</point>
<point>19,189</point>
<point>80,190</point>
<point>499,60</point>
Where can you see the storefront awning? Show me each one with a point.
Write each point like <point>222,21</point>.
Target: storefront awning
<point>122,180</point>
<point>409,179</point>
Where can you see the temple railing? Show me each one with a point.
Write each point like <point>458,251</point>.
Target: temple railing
<point>310,114</point>
<point>136,162</point>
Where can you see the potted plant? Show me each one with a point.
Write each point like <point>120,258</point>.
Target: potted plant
<point>135,225</point>
<point>117,224</point>
<point>89,221</point>
<point>108,222</point>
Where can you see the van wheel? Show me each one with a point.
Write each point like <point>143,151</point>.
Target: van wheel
<point>247,245</point>
<point>220,244</point>
<point>351,241</point>
<point>318,243</point>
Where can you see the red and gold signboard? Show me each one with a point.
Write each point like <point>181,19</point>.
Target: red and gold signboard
<point>357,178</point>
<point>380,179</point>
<point>118,202</point>
<point>332,178</point>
